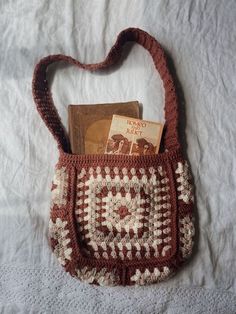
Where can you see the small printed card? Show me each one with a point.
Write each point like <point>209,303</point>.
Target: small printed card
<point>129,136</point>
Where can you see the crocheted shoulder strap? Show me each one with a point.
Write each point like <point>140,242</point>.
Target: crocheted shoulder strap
<point>43,96</point>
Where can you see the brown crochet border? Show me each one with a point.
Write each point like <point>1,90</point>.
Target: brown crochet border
<point>74,159</point>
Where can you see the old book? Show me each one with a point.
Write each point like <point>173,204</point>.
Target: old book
<point>133,136</point>
<point>89,124</point>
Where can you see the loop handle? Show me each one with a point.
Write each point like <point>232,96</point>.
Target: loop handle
<point>47,110</point>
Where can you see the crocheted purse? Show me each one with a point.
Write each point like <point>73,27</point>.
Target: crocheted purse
<point>119,219</point>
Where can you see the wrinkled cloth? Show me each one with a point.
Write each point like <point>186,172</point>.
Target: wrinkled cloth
<point>199,37</point>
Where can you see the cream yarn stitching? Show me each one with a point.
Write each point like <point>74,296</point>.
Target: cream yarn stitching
<point>102,277</point>
<point>148,277</point>
<point>58,232</point>
<point>187,232</point>
<point>185,188</point>
<point>59,187</point>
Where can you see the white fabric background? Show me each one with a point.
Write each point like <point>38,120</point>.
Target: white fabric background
<point>200,37</point>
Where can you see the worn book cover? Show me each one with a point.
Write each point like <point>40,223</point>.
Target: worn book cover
<point>89,124</point>
<point>133,136</point>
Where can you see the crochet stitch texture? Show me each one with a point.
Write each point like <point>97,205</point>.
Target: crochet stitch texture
<point>118,219</point>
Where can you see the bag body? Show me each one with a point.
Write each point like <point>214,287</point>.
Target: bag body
<point>119,219</point>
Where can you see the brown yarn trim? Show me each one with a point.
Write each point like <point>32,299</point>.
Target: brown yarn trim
<point>103,160</point>
<point>47,110</point>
